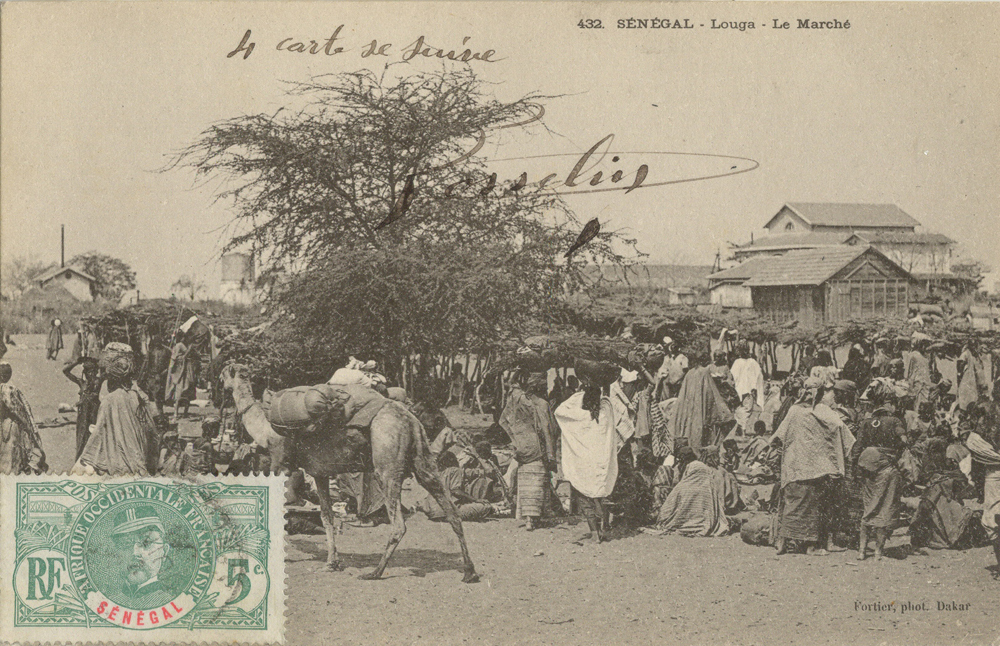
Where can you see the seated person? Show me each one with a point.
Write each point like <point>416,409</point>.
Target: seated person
<point>942,521</point>
<point>755,460</point>
<point>731,455</point>
<point>469,507</point>
<point>712,457</point>
<point>663,480</point>
<point>696,506</point>
<point>748,413</point>
<point>174,461</point>
<point>920,424</point>
<point>202,450</point>
<point>631,501</point>
<point>187,458</point>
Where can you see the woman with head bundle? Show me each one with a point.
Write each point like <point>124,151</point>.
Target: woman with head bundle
<point>124,441</point>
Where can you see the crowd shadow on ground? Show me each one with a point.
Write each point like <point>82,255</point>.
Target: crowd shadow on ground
<point>420,562</point>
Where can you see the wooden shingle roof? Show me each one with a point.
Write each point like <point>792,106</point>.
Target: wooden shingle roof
<point>810,266</point>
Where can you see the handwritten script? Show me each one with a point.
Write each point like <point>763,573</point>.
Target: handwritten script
<point>334,46</point>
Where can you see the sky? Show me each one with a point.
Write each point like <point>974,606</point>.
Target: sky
<point>900,108</point>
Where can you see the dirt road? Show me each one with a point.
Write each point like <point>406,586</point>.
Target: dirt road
<point>539,588</point>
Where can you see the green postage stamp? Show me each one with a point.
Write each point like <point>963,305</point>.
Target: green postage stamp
<point>141,560</point>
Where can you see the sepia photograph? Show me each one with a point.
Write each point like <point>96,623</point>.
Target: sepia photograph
<point>452,322</point>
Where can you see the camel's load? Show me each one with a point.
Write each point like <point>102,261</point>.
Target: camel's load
<point>357,373</point>
<point>303,408</point>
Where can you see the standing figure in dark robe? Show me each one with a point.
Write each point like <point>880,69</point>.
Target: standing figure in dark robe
<point>181,379</point>
<point>54,343</point>
<point>856,369</point>
<point>89,383</point>
<point>153,375</point>
<point>700,414</point>
<point>875,461</point>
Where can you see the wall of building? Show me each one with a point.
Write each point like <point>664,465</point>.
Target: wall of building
<point>865,299</point>
<point>731,295</point>
<point>237,285</point>
<point>787,222</point>
<point>236,292</point>
<point>787,303</point>
<point>77,286</point>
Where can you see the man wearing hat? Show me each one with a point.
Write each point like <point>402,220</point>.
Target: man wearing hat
<point>138,532</point>
<point>675,366</point>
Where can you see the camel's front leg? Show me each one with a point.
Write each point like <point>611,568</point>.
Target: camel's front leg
<point>430,479</point>
<point>330,523</point>
<point>392,484</point>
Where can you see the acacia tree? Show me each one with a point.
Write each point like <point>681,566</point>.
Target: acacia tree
<point>365,199</point>
<point>112,276</point>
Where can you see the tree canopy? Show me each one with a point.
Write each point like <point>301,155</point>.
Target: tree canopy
<point>19,273</point>
<point>112,276</point>
<point>377,228</point>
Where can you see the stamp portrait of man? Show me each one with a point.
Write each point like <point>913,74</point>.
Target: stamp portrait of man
<point>141,540</point>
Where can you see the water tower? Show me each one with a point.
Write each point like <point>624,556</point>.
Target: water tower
<point>237,287</point>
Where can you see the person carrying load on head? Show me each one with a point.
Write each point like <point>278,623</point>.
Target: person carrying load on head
<point>590,443</point>
<point>124,441</point>
<point>89,383</point>
<point>532,428</point>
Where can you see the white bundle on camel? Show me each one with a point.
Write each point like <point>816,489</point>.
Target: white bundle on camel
<point>357,373</point>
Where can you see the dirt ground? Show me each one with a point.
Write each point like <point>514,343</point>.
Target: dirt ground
<point>541,588</point>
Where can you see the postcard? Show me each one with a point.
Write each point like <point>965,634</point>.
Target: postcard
<point>499,322</point>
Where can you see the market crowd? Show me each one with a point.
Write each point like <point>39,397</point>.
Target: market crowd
<point>827,458</point>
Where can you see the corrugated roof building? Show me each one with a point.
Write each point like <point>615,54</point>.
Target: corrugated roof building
<point>816,225</point>
<point>829,285</point>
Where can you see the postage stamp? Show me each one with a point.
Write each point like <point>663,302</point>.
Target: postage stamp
<point>141,560</point>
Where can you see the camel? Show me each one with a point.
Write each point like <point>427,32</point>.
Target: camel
<point>398,447</point>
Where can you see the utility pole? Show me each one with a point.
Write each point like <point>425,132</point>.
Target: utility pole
<point>62,246</point>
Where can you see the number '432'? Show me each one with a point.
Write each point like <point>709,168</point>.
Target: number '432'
<point>590,24</point>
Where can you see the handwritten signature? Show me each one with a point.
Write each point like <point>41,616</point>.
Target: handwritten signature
<point>330,47</point>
